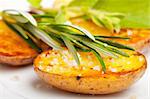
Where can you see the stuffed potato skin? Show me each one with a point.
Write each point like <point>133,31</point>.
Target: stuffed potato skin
<point>88,81</point>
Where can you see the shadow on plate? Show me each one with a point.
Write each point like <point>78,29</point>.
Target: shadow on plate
<point>7,68</point>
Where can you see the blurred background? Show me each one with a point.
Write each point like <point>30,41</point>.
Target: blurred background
<point>21,4</point>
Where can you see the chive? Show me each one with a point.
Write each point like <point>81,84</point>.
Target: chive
<point>53,32</point>
<point>83,50</point>
<point>100,60</point>
<point>92,45</point>
<point>20,30</point>
<point>29,17</point>
<point>113,49</point>
<point>100,48</point>
<point>29,40</point>
<point>71,48</point>
<point>109,42</point>
<point>19,19</point>
<point>79,44</point>
<point>43,23</point>
<point>42,16</point>
<point>43,36</point>
<point>24,14</point>
<point>64,29</point>
<point>109,37</point>
<point>112,37</point>
<point>77,28</point>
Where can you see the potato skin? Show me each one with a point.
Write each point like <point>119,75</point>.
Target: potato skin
<point>13,49</point>
<point>16,60</point>
<point>93,85</point>
<point>141,45</point>
<point>110,82</point>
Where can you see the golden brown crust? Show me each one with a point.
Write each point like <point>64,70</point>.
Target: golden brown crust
<point>91,82</point>
<point>13,49</point>
<point>93,85</point>
<point>141,44</point>
<point>16,60</point>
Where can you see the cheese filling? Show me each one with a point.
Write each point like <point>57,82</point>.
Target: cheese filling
<point>62,62</point>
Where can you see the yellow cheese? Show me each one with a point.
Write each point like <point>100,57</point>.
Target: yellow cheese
<point>62,62</point>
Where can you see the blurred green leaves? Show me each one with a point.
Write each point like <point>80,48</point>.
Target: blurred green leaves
<point>137,11</point>
<point>35,3</point>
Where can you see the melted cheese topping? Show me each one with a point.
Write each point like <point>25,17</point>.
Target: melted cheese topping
<point>62,62</point>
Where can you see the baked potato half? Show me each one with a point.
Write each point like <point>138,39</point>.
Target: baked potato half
<point>58,68</point>
<point>139,38</point>
<point>13,49</point>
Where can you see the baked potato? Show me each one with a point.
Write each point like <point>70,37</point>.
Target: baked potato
<point>139,38</point>
<point>58,68</point>
<point>13,49</point>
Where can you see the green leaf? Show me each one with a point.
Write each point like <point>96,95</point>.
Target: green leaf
<point>105,19</point>
<point>107,23</point>
<point>19,18</point>
<point>112,37</point>
<point>83,50</point>
<point>85,3</point>
<point>42,16</point>
<point>60,17</point>
<point>137,12</point>
<point>71,48</point>
<point>40,24</point>
<point>64,30</point>
<point>82,30</point>
<point>29,40</point>
<point>93,45</point>
<point>113,49</point>
<point>29,17</point>
<point>35,3</point>
<point>24,18</point>
<point>43,36</point>
<point>115,14</point>
<point>100,48</point>
<point>100,18</point>
<point>96,21</point>
<point>100,60</point>
<point>79,44</point>
<point>20,30</point>
<point>115,44</point>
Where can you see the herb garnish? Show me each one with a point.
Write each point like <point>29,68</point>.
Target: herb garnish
<point>57,35</point>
